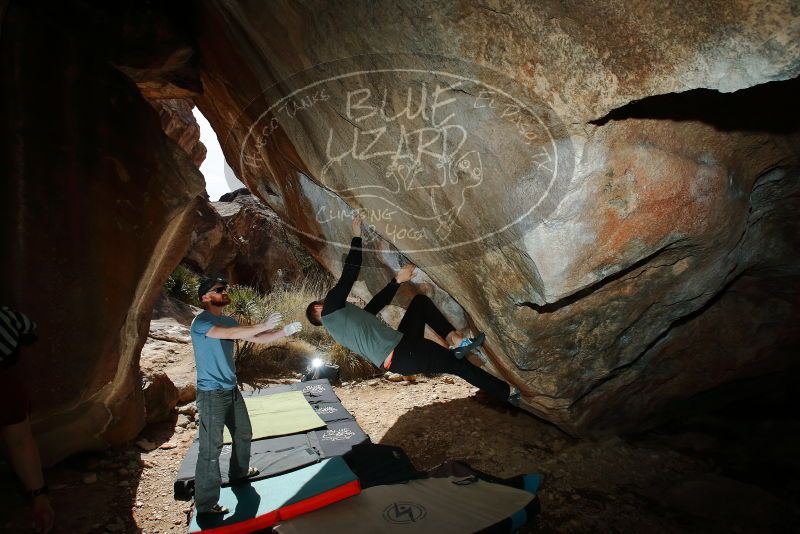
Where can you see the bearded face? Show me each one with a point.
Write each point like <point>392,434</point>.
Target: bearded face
<point>214,298</point>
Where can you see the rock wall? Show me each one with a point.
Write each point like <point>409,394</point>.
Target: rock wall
<point>533,161</point>
<point>577,180</point>
<point>266,254</point>
<point>179,124</point>
<point>246,242</point>
<point>211,248</point>
<point>94,217</point>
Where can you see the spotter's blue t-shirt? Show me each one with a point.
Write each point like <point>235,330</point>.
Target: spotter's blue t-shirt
<point>213,357</point>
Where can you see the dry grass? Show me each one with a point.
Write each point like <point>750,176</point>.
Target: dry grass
<point>351,365</point>
<point>291,302</point>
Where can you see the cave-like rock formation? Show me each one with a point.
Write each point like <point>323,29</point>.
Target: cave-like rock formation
<point>554,168</point>
<point>610,191</point>
<point>95,215</point>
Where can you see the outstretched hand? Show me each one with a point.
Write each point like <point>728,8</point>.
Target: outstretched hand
<point>273,321</point>
<point>405,273</point>
<point>292,328</point>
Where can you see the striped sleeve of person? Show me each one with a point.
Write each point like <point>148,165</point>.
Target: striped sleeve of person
<point>13,326</point>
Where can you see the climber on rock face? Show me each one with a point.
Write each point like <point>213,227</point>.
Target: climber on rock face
<point>405,350</point>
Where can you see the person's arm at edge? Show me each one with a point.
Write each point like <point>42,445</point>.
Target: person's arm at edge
<point>25,459</point>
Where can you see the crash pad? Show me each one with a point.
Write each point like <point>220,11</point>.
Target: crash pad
<point>279,415</point>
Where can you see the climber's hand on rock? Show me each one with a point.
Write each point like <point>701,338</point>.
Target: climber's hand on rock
<point>358,218</point>
<point>405,273</point>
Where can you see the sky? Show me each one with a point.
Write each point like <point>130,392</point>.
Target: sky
<point>219,176</point>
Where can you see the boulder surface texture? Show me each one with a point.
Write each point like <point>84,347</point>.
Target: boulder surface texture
<point>609,190</point>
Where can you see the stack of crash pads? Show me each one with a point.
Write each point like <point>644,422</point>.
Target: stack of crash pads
<point>395,498</point>
<point>327,475</point>
<point>334,434</point>
<point>300,432</point>
<point>260,504</point>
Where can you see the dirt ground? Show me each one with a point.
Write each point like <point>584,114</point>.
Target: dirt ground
<point>675,482</point>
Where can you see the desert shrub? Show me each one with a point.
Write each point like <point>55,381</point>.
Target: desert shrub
<point>182,284</point>
<point>246,306</point>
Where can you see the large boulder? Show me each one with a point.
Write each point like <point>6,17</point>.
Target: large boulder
<point>95,213</point>
<point>160,396</point>
<point>609,190</point>
<point>531,159</point>
<point>168,351</point>
<point>246,241</point>
<point>266,253</point>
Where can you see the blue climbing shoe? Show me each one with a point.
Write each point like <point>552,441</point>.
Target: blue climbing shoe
<point>468,345</point>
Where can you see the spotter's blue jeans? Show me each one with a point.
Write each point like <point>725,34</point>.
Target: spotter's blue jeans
<point>219,408</point>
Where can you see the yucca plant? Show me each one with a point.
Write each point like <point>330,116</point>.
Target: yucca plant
<point>247,304</point>
<point>182,284</point>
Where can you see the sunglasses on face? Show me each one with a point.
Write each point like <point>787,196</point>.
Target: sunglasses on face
<point>220,290</point>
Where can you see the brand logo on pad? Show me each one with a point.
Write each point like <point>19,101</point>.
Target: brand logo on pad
<point>314,390</point>
<point>327,410</point>
<point>404,513</point>
<point>338,435</point>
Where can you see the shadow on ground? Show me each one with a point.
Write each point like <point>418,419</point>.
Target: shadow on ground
<point>655,483</point>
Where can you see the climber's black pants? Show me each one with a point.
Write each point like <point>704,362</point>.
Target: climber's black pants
<point>415,354</point>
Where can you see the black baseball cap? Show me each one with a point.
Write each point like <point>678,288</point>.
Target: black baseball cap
<point>207,283</point>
